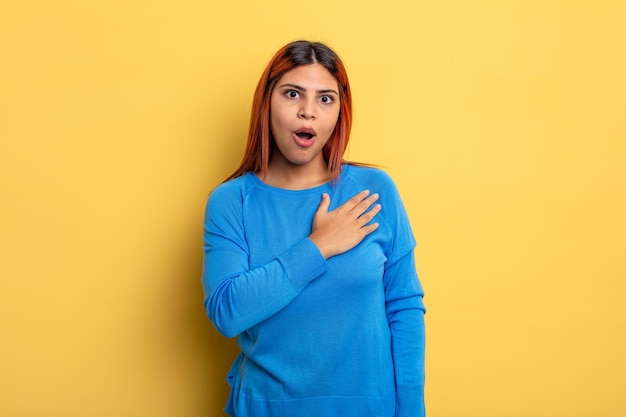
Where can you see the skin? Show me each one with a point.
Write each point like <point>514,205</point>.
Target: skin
<point>307,97</point>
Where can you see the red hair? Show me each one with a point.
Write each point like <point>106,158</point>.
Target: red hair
<point>260,141</point>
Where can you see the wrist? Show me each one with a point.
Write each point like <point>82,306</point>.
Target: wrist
<point>324,251</point>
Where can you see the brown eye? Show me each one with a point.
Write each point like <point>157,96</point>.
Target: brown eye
<point>292,94</point>
<point>326,99</point>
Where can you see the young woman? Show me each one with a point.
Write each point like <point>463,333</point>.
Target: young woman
<point>309,259</point>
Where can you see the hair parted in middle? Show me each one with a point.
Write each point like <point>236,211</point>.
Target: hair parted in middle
<point>260,141</point>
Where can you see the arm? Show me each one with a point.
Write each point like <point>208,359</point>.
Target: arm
<point>405,310</point>
<point>237,297</point>
<point>405,314</point>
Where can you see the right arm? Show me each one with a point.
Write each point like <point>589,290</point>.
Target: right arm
<point>237,297</point>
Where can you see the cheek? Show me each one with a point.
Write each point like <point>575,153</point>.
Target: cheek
<point>275,122</point>
<point>277,116</point>
<point>333,119</point>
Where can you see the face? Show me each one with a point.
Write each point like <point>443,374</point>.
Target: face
<point>304,109</point>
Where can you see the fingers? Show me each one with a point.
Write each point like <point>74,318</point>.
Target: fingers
<point>360,204</point>
<point>366,230</point>
<point>365,204</point>
<point>356,200</point>
<point>337,231</point>
<point>365,218</point>
<point>361,212</point>
<point>324,204</point>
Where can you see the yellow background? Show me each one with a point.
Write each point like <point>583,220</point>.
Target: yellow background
<point>502,122</point>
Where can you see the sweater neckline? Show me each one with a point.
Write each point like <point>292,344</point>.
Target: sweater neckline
<point>317,189</point>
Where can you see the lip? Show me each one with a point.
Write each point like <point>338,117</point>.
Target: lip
<point>305,143</point>
<point>309,130</point>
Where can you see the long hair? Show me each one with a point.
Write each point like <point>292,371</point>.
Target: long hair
<point>260,141</point>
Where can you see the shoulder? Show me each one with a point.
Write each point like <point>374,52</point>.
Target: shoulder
<point>231,187</point>
<point>229,195</point>
<point>372,178</point>
<point>378,181</point>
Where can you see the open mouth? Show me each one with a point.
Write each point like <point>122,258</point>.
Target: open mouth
<point>304,135</point>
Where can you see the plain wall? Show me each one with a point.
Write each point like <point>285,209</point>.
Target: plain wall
<point>501,122</point>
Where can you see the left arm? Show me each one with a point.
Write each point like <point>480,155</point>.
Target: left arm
<point>405,314</point>
<point>405,309</point>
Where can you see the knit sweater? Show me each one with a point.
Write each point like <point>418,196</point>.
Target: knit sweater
<point>342,337</point>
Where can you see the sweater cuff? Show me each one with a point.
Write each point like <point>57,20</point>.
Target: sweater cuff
<point>303,263</point>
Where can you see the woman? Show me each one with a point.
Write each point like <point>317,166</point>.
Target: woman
<point>309,259</point>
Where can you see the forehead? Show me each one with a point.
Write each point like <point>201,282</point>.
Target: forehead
<point>312,76</point>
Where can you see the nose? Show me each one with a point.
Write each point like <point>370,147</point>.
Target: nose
<point>307,110</point>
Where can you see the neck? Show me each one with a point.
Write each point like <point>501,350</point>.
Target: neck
<point>282,174</point>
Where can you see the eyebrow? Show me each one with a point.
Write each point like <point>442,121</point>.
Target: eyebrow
<point>299,88</point>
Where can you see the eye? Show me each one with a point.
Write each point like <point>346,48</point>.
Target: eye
<point>292,94</point>
<point>326,99</point>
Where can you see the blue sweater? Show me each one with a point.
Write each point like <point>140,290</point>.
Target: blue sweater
<point>342,337</point>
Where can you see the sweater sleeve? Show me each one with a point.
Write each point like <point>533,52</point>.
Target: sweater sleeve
<point>405,313</point>
<point>237,297</point>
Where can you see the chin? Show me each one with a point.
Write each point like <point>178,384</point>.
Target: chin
<point>299,162</point>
